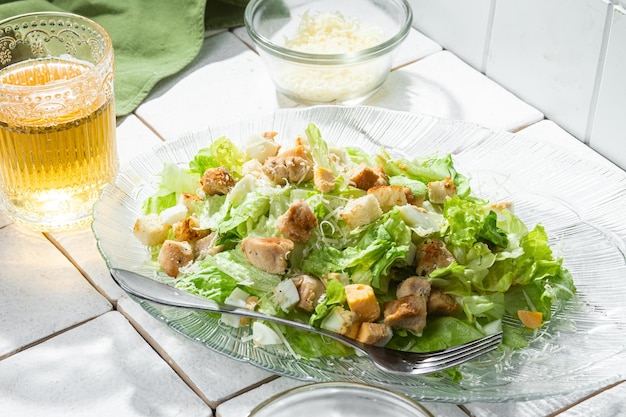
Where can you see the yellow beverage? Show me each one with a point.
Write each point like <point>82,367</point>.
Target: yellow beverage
<point>56,156</point>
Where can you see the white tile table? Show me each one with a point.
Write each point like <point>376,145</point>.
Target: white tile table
<point>72,343</point>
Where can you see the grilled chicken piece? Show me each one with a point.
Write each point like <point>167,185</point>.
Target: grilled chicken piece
<point>297,222</point>
<point>291,166</point>
<point>413,286</point>
<point>174,255</point>
<point>440,191</point>
<point>217,181</point>
<point>207,246</point>
<point>442,304</point>
<point>310,289</point>
<point>269,254</point>
<point>365,177</point>
<point>432,254</point>
<point>189,230</point>
<point>408,312</point>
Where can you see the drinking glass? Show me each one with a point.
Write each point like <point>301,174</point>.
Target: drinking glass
<point>57,119</point>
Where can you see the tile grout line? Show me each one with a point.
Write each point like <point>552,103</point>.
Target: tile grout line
<point>85,275</point>
<point>179,370</point>
<point>585,398</point>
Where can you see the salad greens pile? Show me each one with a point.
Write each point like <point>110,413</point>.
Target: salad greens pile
<point>500,266</point>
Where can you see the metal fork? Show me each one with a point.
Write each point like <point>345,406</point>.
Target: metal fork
<point>388,360</point>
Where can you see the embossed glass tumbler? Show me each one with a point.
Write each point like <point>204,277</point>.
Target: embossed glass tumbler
<point>57,119</point>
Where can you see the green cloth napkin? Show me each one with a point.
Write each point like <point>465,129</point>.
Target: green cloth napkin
<point>152,40</point>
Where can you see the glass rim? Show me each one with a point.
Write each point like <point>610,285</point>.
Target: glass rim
<point>392,395</point>
<point>105,60</point>
<point>328,59</point>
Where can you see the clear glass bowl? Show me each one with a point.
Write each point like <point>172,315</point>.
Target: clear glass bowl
<point>578,201</point>
<point>339,399</point>
<point>327,78</point>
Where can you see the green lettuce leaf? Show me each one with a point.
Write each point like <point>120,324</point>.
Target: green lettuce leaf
<point>335,296</point>
<point>174,180</point>
<point>221,153</point>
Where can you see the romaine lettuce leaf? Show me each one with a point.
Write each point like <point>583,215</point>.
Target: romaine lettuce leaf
<point>221,153</point>
<point>174,180</point>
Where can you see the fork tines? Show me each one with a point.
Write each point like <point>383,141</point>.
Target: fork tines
<point>457,355</point>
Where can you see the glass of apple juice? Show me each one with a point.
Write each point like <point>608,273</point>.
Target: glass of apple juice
<point>57,119</point>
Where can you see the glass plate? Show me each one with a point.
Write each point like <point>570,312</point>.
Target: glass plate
<point>579,202</point>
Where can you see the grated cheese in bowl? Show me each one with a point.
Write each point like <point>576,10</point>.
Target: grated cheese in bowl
<point>332,33</point>
<point>328,51</point>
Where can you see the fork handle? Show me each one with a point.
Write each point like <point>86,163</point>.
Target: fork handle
<point>161,293</point>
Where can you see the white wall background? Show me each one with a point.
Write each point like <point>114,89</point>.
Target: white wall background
<point>565,57</point>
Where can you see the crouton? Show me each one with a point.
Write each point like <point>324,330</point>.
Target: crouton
<point>360,211</point>
<point>430,255</point>
<point>406,313</point>
<point>151,230</point>
<point>173,256</point>
<point>374,334</point>
<point>217,181</point>
<point>324,179</point>
<point>269,254</point>
<point>361,300</point>
<point>365,177</point>
<point>501,205</point>
<point>389,196</point>
<point>297,222</point>
<point>440,191</point>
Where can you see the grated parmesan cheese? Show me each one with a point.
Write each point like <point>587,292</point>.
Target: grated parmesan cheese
<point>332,33</point>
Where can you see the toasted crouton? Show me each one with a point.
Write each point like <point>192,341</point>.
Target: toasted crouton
<point>360,211</point>
<point>389,196</point>
<point>365,177</point>
<point>324,179</point>
<point>440,191</point>
<point>361,300</point>
<point>151,230</point>
<point>374,334</point>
